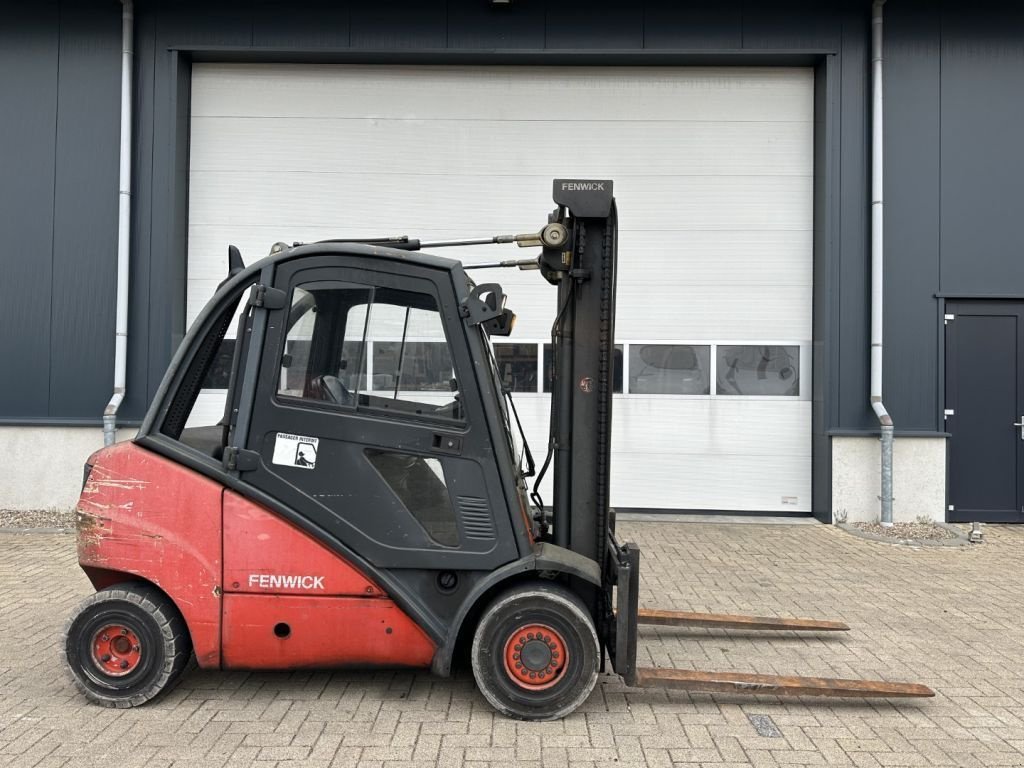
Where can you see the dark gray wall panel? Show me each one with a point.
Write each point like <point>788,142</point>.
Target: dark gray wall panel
<point>912,70</point>
<point>399,24</point>
<point>852,385</point>
<point>315,24</point>
<point>85,209</point>
<point>195,23</point>
<point>479,25</point>
<point>792,24</point>
<point>693,26</point>
<point>982,157</point>
<point>168,255</point>
<point>28,92</point>
<point>141,336</point>
<point>594,24</point>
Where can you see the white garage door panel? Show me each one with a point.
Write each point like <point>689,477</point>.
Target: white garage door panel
<point>654,203</point>
<point>713,171</point>
<point>720,257</point>
<point>765,483</point>
<point>738,316</point>
<point>493,147</point>
<point>722,427</point>
<point>494,93</point>
<point>717,457</point>
<point>752,297</point>
<point>707,258</point>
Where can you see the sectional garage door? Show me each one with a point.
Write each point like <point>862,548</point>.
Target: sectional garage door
<point>713,174</point>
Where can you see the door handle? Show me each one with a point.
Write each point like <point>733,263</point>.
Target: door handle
<point>447,443</point>
<point>1021,425</point>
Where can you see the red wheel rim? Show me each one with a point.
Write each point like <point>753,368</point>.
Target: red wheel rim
<point>535,657</point>
<point>116,650</point>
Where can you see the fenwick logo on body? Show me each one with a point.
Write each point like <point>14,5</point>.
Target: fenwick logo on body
<point>583,186</point>
<point>268,581</point>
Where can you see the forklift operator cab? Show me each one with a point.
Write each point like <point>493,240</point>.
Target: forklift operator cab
<point>364,416</point>
<point>338,485</point>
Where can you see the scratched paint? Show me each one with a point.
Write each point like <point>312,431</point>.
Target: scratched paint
<point>141,515</point>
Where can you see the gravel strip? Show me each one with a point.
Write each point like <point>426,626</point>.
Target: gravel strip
<point>37,518</point>
<point>915,531</point>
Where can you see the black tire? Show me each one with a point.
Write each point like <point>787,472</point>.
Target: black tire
<point>558,682</point>
<point>125,645</point>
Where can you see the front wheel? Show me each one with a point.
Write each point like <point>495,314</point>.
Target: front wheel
<point>535,653</point>
<point>125,645</point>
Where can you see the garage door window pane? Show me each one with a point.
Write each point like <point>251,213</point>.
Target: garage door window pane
<point>758,370</point>
<point>616,370</point>
<point>517,366</point>
<point>669,369</point>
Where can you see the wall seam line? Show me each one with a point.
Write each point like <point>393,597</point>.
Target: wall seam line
<point>53,220</point>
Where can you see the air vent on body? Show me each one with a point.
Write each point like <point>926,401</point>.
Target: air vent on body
<point>476,518</point>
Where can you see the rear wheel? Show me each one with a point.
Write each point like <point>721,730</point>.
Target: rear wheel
<point>125,645</point>
<point>535,653</point>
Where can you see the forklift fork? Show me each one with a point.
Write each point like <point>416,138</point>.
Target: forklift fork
<point>655,617</point>
<point>776,685</point>
<point>624,567</point>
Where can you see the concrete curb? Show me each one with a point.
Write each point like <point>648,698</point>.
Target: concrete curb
<point>960,538</point>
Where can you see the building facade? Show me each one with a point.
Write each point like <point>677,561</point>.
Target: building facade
<point>739,138</point>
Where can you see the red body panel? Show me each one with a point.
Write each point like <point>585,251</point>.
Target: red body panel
<point>264,554</point>
<point>321,632</point>
<point>145,515</point>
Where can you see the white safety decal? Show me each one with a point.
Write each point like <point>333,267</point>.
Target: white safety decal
<point>295,450</point>
<point>273,581</point>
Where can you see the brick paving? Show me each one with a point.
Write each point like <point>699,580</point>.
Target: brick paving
<point>949,618</point>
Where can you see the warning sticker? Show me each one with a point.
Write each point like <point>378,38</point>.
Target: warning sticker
<point>295,450</point>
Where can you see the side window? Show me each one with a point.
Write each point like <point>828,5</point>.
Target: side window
<point>369,348</point>
<point>411,363</point>
<point>197,414</point>
<point>323,357</point>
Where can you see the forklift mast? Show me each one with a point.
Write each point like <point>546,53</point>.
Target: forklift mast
<point>583,267</point>
<point>583,347</point>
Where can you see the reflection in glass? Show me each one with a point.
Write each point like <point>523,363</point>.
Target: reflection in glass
<point>413,366</point>
<point>758,370</point>
<point>419,484</point>
<point>669,369</point>
<point>517,366</point>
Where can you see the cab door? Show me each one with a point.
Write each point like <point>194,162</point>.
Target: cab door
<point>367,418</point>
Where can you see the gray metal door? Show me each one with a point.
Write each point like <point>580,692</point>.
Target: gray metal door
<point>985,410</point>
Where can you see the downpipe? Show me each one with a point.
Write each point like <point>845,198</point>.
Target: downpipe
<point>877,277</point>
<point>123,225</point>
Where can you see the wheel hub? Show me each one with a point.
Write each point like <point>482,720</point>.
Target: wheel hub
<point>535,657</point>
<point>116,650</point>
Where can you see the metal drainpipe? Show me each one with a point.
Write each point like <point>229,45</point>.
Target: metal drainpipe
<point>123,226</point>
<point>877,279</point>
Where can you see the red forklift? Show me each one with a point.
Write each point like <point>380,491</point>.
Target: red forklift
<point>361,500</point>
